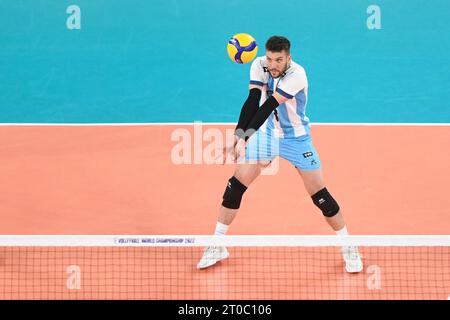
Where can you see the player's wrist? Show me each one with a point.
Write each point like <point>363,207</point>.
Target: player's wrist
<point>240,143</point>
<point>239,139</point>
<point>238,135</point>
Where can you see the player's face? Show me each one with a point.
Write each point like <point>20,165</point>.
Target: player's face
<point>277,62</point>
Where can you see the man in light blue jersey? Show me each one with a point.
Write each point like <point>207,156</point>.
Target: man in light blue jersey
<point>273,123</point>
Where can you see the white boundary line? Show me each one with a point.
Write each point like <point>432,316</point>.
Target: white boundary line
<point>215,123</point>
<point>206,240</point>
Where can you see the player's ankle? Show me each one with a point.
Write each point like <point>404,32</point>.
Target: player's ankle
<point>342,232</point>
<point>221,229</point>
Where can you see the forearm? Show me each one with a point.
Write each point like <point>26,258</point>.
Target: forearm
<point>249,109</point>
<point>258,118</point>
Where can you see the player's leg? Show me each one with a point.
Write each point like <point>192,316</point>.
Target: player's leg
<point>261,149</point>
<point>314,184</point>
<point>258,154</point>
<point>243,176</point>
<point>302,154</point>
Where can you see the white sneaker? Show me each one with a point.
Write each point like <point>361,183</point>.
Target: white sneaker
<point>352,258</point>
<point>212,255</point>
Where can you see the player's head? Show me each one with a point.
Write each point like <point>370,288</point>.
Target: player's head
<point>278,55</point>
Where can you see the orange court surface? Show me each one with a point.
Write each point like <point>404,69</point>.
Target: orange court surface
<point>121,180</point>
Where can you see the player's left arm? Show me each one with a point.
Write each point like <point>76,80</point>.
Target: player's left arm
<point>280,99</point>
<point>262,114</point>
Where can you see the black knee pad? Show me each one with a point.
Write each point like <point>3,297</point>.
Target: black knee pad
<point>233,194</point>
<point>325,202</point>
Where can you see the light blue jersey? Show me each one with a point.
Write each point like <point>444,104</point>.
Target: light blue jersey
<point>286,132</point>
<point>289,120</point>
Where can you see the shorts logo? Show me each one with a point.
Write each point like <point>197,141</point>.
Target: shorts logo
<point>313,162</point>
<point>307,154</point>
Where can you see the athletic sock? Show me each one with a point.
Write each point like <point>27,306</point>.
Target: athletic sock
<point>342,232</point>
<point>221,229</point>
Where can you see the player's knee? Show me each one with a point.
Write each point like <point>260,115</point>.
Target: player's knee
<point>326,203</point>
<point>233,194</point>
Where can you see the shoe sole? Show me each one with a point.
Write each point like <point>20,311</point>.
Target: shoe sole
<point>215,261</point>
<point>354,271</point>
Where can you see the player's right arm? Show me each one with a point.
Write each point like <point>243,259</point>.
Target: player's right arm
<point>248,110</point>
<point>251,105</point>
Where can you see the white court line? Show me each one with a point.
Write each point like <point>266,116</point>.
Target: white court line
<point>216,123</point>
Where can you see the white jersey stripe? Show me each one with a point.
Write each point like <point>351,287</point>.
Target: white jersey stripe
<point>294,118</point>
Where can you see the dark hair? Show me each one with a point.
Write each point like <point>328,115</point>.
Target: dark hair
<point>278,44</point>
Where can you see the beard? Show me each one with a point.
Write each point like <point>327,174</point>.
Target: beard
<point>276,73</point>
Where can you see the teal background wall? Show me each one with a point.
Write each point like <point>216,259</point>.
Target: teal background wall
<point>166,60</point>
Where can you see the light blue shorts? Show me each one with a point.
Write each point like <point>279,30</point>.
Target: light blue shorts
<point>298,151</point>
